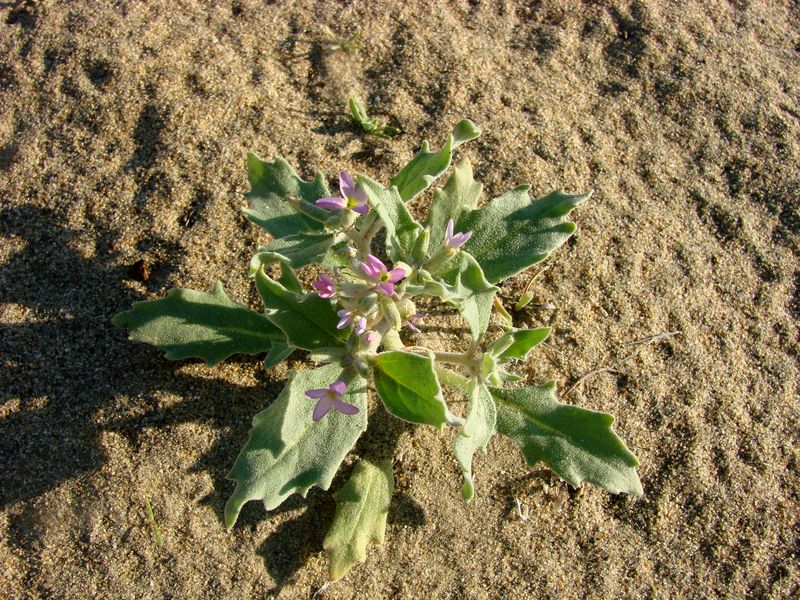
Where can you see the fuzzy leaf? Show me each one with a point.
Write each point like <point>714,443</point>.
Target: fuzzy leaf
<point>518,343</point>
<point>512,233</point>
<point>475,435</point>
<point>206,325</point>
<point>577,444</point>
<point>287,452</point>
<point>271,183</point>
<point>279,352</point>
<point>402,229</point>
<point>427,166</point>
<point>469,290</point>
<point>297,250</point>
<point>409,388</point>
<point>289,280</point>
<point>308,321</point>
<point>362,505</point>
<point>460,193</point>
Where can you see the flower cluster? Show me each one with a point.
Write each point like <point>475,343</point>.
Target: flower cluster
<point>369,294</point>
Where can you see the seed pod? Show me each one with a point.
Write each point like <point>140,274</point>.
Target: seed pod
<point>420,251</point>
<point>390,312</point>
<point>368,303</point>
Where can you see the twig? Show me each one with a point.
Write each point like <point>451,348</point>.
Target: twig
<point>652,338</point>
<point>324,587</point>
<point>612,369</point>
<point>152,520</point>
<point>524,516</point>
<point>589,374</point>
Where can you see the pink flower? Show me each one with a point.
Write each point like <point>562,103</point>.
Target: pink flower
<point>330,398</point>
<point>353,197</point>
<point>351,317</point>
<point>376,271</point>
<point>325,286</point>
<point>455,241</point>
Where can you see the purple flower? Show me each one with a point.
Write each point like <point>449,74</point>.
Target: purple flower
<point>376,271</point>
<point>325,286</point>
<point>351,317</point>
<point>455,241</point>
<point>330,398</point>
<point>353,197</point>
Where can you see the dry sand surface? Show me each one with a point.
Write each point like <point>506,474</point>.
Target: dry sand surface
<point>123,137</point>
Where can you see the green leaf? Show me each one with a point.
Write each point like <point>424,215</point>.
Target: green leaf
<point>469,290</point>
<point>289,280</point>
<point>577,444</point>
<point>359,114</point>
<point>512,233</point>
<point>362,505</point>
<point>402,229</point>
<point>279,352</point>
<point>206,325</point>
<point>409,388</point>
<point>297,250</point>
<point>475,435</point>
<point>271,183</point>
<point>287,452</point>
<point>518,343</point>
<point>308,321</point>
<point>460,193</point>
<point>427,166</point>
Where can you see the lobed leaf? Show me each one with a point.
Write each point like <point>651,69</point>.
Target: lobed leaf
<point>270,184</point>
<point>518,343</point>
<point>287,452</point>
<point>402,229</point>
<point>469,290</point>
<point>460,193</point>
<point>308,321</point>
<point>409,388</point>
<point>427,166</point>
<point>206,325</point>
<point>297,250</point>
<point>577,444</point>
<point>362,505</point>
<point>512,233</point>
<point>478,429</point>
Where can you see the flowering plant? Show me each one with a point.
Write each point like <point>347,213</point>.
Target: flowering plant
<point>353,324</point>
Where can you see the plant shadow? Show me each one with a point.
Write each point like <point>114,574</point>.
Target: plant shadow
<point>65,364</point>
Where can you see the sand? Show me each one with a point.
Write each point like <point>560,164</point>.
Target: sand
<point>123,137</point>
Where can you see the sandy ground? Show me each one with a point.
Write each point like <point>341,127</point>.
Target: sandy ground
<point>123,138</point>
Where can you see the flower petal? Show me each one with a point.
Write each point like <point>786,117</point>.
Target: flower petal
<point>396,275</point>
<point>322,408</point>
<point>332,203</point>
<point>346,184</point>
<point>387,288</point>
<point>369,271</point>
<point>448,234</point>
<point>361,325</point>
<point>376,264</point>
<point>361,208</point>
<point>344,318</point>
<point>318,393</point>
<point>344,407</point>
<point>339,387</point>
